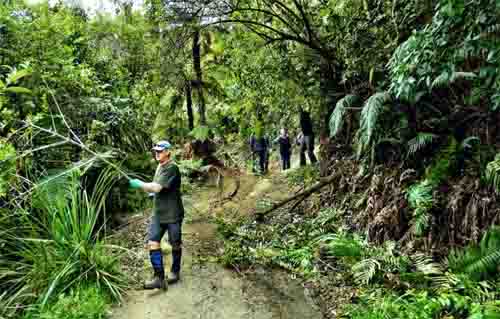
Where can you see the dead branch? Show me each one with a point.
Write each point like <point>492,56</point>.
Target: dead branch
<point>301,196</point>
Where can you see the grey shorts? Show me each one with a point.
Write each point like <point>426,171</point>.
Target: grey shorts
<point>157,230</point>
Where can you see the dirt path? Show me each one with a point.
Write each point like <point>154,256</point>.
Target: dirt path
<point>208,290</point>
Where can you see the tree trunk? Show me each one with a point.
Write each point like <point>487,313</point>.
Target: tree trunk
<point>189,105</point>
<point>199,76</point>
<point>329,92</point>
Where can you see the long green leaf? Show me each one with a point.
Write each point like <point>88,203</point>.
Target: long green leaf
<point>17,89</point>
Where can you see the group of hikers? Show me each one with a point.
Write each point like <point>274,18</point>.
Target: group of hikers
<point>168,209</point>
<point>260,145</point>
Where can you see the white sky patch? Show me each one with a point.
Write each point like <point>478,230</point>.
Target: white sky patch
<point>92,6</point>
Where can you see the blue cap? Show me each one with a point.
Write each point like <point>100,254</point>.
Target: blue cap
<point>162,145</point>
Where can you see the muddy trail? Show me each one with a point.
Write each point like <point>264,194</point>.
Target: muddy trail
<point>207,289</point>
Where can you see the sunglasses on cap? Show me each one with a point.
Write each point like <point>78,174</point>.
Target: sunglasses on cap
<point>162,146</point>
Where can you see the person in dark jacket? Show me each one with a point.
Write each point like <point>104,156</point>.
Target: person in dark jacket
<point>260,146</point>
<point>168,214</point>
<point>285,148</point>
<point>307,144</point>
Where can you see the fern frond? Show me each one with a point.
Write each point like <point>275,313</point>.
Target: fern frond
<point>426,265</point>
<point>344,247</point>
<point>446,79</point>
<point>462,76</point>
<point>421,221</point>
<point>420,195</point>
<point>337,117</point>
<point>493,172</point>
<point>420,141</point>
<point>365,270</point>
<point>478,261</point>
<point>370,114</point>
<point>442,80</point>
<point>445,281</point>
<point>395,263</point>
<point>485,264</point>
<point>491,240</point>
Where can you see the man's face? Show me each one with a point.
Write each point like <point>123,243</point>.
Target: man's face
<point>162,156</point>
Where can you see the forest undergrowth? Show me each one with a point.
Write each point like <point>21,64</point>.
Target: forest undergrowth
<point>353,244</point>
<point>405,104</point>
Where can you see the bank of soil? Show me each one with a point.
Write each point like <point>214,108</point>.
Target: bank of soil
<point>208,290</point>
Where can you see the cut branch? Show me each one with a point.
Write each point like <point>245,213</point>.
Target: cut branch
<point>301,196</point>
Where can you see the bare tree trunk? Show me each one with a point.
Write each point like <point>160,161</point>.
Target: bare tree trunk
<point>199,76</point>
<point>189,105</point>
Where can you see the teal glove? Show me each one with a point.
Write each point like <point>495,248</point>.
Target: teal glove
<point>135,183</point>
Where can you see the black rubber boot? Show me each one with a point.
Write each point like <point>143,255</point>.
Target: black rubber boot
<point>173,278</point>
<point>158,282</point>
<point>176,266</point>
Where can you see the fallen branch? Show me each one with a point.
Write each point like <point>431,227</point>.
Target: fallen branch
<point>302,195</point>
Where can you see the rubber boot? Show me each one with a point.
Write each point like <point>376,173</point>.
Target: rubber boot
<point>176,266</point>
<point>173,278</point>
<point>158,282</point>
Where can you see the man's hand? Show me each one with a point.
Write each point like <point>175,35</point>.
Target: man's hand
<point>135,183</point>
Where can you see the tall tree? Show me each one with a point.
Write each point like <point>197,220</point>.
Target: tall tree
<point>199,75</point>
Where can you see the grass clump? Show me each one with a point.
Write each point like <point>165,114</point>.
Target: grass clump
<point>58,246</point>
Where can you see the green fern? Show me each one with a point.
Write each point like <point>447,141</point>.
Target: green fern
<point>421,200</point>
<point>424,264</point>
<point>365,270</point>
<point>455,76</point>
<point>420,195</point>
<point>337,117</point>
<point>446,78</point>
<point>370,115</point>
<point>420,141</point>
<point>493,173</point>
<point>341,246</point>
<point>479,261</point>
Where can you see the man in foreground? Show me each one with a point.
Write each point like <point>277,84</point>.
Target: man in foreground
<point>168,214</point>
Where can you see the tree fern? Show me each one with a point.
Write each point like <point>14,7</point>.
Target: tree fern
<point>370,115</point>
<point>493,172</point>
<point>337,117</point>
<point>420,141</point>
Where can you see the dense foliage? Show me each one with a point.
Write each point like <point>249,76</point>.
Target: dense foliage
<point>412,85</point>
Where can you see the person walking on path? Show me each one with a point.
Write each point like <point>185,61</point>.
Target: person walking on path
<point>307,144</point>
<point>259,144</point>
<point>285,148</point>
<point>167,217</point>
